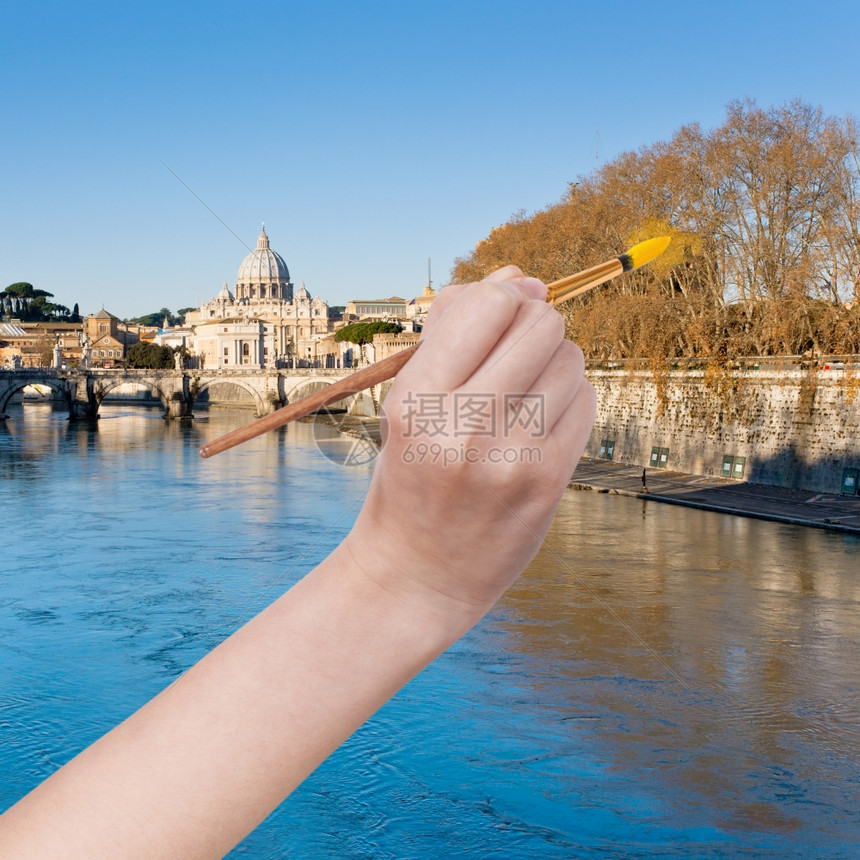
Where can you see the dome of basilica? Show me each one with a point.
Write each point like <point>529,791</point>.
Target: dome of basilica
<point>262,265</point>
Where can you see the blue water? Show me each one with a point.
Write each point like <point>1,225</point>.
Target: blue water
<point>661,681</point>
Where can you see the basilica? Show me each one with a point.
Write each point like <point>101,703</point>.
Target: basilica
<point>264,323</point>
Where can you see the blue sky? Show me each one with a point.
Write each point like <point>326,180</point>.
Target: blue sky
<point>368,136</point>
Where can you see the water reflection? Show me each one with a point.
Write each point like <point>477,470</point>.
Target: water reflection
<point>661,680</point>
<point>704,653</point>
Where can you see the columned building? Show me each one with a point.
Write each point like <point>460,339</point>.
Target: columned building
<point>230,343</point>
<point>263,322</point>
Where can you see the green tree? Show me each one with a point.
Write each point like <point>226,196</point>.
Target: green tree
<point>25,302</point>
<point>153,319</point>
<point>149,355</point>
<point>21,289</point>
<point>28,303</point>
<point>157,318</point>
<point>361,333</point>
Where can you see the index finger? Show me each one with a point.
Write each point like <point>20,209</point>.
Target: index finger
<point>463,335</point>
<point>533,287</point>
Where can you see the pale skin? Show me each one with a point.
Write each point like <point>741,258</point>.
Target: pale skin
<point>197,768</point>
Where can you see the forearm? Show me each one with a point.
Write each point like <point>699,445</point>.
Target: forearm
<point>196,769</point>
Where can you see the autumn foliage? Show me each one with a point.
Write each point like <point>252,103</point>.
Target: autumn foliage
<point>764,212</point>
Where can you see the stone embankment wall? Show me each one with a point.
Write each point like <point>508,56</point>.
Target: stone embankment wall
<point>794,428</point>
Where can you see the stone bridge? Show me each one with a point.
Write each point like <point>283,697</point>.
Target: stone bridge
<point>84,390</point>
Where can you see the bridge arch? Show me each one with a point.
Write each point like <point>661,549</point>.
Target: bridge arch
<point>107,384</point>
<point>10,385</point>
<point>204,384</point>
<point>309,386</point>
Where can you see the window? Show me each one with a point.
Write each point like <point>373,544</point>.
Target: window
<point>849,481</point>
<point>110,353</point>
<point>733,467</point>
<point>659,458</point>
<point>607,449</point>
<point>102,327</point>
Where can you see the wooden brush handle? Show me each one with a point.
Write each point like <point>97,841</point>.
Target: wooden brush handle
<point>352,384</point>
<point>557,291</point>
<point>574,285</point>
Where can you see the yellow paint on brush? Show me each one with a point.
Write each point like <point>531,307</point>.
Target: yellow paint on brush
<point>644,252</point>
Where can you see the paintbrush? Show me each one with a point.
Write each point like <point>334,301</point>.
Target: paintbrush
<point>557,292</point>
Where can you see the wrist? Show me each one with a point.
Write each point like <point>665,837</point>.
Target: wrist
<point>407,581</point>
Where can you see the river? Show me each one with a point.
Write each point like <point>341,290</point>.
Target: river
<point>661,682</point>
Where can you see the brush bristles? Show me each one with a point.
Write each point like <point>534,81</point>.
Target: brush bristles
<point>644,252</point>
<point>626,262</point>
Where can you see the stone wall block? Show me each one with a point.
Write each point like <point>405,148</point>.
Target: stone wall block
<point>796,429</point>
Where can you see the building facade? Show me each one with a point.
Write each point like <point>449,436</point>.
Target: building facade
<point>265,322</point>
<point>40,344</point>
<point>362,309</point>
<point>107,346</point>
<point>393,309</point>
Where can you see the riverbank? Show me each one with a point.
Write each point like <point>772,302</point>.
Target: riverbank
<point>778,504</point>
<point>777,426</point>
<point>796,507</point>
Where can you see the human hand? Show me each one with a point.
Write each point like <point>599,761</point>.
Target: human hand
<point>482,430</point>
